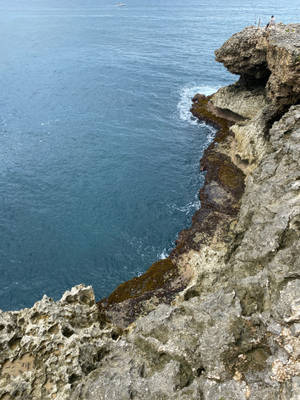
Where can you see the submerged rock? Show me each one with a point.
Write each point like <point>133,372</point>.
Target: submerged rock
<point>231,328</point>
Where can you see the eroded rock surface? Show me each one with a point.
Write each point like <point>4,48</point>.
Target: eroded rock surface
<point>233,331</point>
<point>270,57</point>
<point>47,349</point>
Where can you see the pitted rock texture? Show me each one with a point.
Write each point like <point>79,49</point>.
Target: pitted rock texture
<point>234,331</point>
<point>46,349</point>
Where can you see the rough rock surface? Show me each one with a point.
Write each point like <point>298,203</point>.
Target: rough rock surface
<point>46,349</point>
<point>237,98</point>
<point>266,56</point>
<point>233,332</point>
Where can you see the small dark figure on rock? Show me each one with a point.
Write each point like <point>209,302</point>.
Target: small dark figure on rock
<point>271,23</point>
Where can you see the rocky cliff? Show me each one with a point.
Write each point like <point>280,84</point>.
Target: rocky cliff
<point>220,319</point>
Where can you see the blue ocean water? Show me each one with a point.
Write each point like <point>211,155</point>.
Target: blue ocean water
<point>99,166</point>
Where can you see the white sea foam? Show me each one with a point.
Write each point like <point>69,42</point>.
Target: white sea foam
<point>212,132</point>
<point>185,102</point>
<point>189,208</point>
<point>163,255</point>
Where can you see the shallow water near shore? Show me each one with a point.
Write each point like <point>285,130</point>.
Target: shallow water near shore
<point>99,166</point>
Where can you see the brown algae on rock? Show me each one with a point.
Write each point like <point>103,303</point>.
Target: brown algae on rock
<point>154,278</point>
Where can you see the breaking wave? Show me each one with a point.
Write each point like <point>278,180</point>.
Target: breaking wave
<point>185,103</point>
<point>163,255</point>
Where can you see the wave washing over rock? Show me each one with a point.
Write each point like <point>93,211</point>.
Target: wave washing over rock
<point>220,317</point>
<point>185,103</point>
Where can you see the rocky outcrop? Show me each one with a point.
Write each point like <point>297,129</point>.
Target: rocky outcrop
<point>45,350</point>
<point>233,329</point>
<point>266,57</point>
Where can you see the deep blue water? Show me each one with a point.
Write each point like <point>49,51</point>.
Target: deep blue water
<point>99,166</point>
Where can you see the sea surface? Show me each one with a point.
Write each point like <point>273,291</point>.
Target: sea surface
<point>99,155</point>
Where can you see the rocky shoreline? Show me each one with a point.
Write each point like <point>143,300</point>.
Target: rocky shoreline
<point>220,200</point>
<point>220,318</point>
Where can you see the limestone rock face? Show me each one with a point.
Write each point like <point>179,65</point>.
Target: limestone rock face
<point>45,350</point>
<point>242,56</point>
<point>234,331</point>
<point>266,56</point>
<point>240,100</point>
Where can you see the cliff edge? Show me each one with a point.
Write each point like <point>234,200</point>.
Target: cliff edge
<point>231,327</point>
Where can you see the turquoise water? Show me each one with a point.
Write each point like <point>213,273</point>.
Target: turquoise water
<point>99,166</point>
